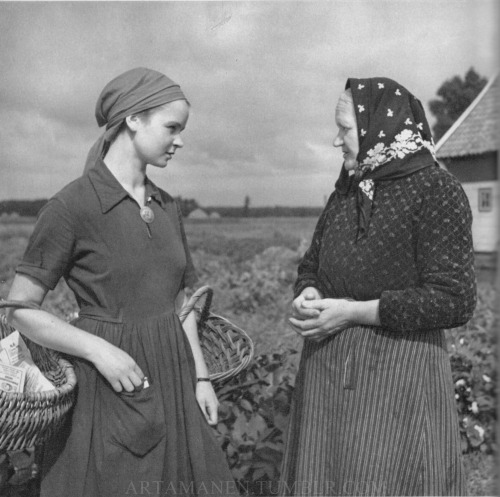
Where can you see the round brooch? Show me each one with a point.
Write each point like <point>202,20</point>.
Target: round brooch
<point>147,214</point>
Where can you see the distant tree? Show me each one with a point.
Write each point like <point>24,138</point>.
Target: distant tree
<point>187,205</point>
<point>276,211</point>
<point>246,206</point>
<point>25,208</point>
<point>456,94</point>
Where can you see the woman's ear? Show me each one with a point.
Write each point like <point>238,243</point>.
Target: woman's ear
<point>132,122</point>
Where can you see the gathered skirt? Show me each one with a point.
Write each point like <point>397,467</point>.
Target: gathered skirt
<point>374,413</point>
<point>153,442</point>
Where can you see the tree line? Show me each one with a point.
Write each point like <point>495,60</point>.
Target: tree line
<point>30,208</point>
<point>24,208</point>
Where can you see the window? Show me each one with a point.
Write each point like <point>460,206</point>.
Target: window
<point>485,201</point>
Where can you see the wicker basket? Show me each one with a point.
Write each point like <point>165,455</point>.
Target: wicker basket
<point>227,349</point>
<point>30,418</point>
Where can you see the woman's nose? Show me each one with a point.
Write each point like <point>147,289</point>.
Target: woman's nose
<point>178,142</point>
<point>337,142</point>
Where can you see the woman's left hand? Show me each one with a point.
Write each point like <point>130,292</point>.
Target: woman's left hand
<point>334,316</point>
<point>207,400</point>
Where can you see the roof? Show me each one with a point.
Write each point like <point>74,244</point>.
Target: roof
<point>198,214</point>
<point>476,131</point>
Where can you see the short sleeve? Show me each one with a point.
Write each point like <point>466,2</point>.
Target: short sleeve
<point>190,277</point>
<point>50,247</point>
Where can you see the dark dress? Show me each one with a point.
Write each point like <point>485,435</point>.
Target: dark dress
<point>374,410</point>
<point>126,276</point>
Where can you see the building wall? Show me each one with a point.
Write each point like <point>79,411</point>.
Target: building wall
<point>485,223</point>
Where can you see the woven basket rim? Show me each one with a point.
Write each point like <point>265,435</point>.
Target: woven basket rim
<point>63,365</point>
<point>204,315</point>
<point>32,417</point>
<point>244,359</point>
<point>236,327</point>
<point>58,391</point>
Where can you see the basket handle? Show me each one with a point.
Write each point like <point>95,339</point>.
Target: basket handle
<point>18,304</point>
<point>189,306</point>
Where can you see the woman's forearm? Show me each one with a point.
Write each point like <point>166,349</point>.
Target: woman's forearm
<point>191,330</point>
<point>49,331</point>
<point>117,367</point>
<point>45,328</point>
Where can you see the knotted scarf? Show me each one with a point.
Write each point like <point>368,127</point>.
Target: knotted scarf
<point>394,141</point>
<point>129,93</point>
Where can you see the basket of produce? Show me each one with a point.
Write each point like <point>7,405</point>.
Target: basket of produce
<point>37,387</point>
<point>227,349</point>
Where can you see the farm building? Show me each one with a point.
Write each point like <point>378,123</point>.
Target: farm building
<point>469,150</point>
<point>198,214</point>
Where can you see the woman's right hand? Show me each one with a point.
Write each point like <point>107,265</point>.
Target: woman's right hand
<point>302,313</point>
<point>119,369</point>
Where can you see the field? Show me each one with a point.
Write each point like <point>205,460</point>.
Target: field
<point>251,265</point>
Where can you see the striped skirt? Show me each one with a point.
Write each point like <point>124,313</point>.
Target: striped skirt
<point>374,414</point>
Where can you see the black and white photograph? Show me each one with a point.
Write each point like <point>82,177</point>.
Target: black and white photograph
<point>249,248</point>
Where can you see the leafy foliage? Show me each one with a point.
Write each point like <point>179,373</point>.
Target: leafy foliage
<point>474,362</point>
<point>456,94</point>
<point>253,420</point>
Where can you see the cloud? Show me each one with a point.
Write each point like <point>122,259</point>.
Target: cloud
<point>262,78</point>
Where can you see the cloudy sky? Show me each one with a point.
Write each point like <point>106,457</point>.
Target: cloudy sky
<point>262,77</point>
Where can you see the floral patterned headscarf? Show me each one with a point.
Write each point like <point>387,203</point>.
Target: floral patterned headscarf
<point>394,140</point>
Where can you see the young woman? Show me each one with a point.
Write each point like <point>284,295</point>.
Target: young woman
<point>139,425</point>
<point>390,265</point>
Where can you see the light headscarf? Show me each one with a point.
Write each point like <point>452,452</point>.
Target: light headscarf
<point>394,140</point>
<point>129,93</point>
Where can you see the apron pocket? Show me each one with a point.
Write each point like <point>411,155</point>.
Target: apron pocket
<point>135,420</point>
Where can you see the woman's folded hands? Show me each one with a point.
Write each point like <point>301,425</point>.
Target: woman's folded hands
<point>317,318</point>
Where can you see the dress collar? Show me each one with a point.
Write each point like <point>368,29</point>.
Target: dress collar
<point>110,192</point>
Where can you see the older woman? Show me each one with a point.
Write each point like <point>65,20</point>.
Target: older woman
<point>390,266</point>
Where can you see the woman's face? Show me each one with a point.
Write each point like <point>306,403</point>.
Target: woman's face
<point>347,137</point>
<point>157,135</point>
